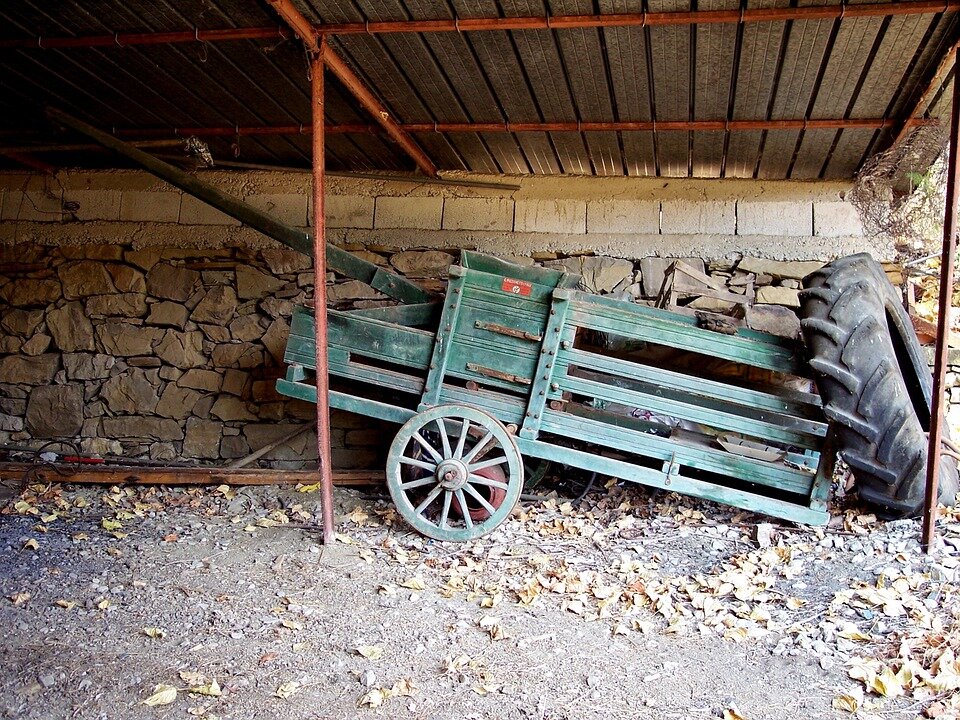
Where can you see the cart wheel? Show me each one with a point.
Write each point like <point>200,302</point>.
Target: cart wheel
<point>442,456</point>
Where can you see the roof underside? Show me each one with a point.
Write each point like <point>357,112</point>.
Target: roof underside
<point>851,68</point>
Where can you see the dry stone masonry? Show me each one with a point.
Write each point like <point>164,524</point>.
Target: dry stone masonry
<point>136,321</point>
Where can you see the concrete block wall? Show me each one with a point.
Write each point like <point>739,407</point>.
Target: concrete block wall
<point>617,217</point>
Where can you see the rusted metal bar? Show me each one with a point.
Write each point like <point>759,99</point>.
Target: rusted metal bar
<point>554,22</point>
<point>619,126</point>
<point>304,29</point>
<point>924,100</point>
<point>380,113</point>
<point>85,147</point>
<point>354,85</point>
<point>947,260</point>
<point>31,162</point>
<point>320,296</point>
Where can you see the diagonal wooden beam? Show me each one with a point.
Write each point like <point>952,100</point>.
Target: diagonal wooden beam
<point>306,31</point>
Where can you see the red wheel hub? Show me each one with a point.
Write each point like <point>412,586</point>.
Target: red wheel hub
<point>493,495</point>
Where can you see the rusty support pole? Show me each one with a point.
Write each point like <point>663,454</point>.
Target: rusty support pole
<point>355,86</point>
<point>320,297</point>
<point>947,260</point>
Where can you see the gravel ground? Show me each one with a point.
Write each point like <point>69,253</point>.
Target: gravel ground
<point>221,603</point>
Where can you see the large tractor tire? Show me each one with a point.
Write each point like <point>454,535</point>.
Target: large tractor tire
<point>874,382</point>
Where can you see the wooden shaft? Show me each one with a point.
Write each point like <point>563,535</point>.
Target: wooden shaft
<point>120,475</point>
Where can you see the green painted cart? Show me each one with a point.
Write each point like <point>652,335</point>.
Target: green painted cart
<point>517,364</point>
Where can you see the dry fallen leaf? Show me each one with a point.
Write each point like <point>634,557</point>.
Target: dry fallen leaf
<point>291,624</point>
<point>154,633</point>
<point>732,714</point>
<point>210,689</point>
<point>370,652</point>
<point>374,698</point>
<point>414,583</point>
<point>31,544</point>
<point>267,658</point>
<point>162,695</point>
<point>848,701</point>
<point>20,598</point>
<point>66,604</point>
<point>109,524</point>
<point>287,689</point>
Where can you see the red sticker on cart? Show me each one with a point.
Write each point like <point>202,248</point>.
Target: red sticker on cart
<point>516,287</point>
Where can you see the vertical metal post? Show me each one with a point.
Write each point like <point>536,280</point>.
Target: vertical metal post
<point>947,260</point>
<point>320,296</point>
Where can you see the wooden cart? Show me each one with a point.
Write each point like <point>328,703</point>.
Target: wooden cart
<point>516,363</point>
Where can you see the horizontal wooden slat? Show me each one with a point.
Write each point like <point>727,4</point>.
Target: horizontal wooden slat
<point>702,458</point>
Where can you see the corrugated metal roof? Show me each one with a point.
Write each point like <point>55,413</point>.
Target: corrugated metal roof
<point>869,67</point>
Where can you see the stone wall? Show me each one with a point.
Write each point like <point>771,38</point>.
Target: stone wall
<point>168,353</point>
<point>135,320</point>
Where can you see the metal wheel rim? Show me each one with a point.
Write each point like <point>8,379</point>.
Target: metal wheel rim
<point>447,470</point>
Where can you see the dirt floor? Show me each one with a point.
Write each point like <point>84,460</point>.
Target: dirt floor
<point>221,603</point>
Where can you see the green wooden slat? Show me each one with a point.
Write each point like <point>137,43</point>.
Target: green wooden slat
<point>506,409</point>
<point>343,401</point>
<point>789,401</point>
<point>794,512</point>
<point>711,417</point>
<point>629,322</point>
<point>531,273</point>
<point>545,370</point>
<point>470,316</point>
<point>378,377</point>
<point>484,282</point>
<point>365,336</point>
<point>701,458</point>
<point>793,347</point>
<point>417,315</point>
<point>502,305</point>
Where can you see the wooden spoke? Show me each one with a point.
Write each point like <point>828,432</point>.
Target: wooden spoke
<point>428,500</point>
<point>481,480</point>
<point>422,482</point>
<point>488,463</point>
<point>462,500</point>
<point>480,499</point>
<point>418,463</point>
<point>475,450</point>
<point>428,447</point>
<point>445,513</point>
<point>444,440</point>
<point>461,441</point>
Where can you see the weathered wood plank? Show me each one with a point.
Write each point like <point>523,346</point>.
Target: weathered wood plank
<point>120,475</point>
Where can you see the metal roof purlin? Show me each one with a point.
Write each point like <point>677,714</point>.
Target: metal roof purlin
<point>316,44</point>
<point>554,22</point>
